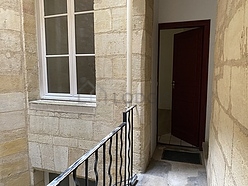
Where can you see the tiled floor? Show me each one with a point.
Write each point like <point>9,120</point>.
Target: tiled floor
<point>172,140</point>
<point>169,173</point>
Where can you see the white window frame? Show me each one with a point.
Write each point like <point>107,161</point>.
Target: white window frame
<point>73,96</point>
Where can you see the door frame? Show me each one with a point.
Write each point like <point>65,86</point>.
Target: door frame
<point>205,25</point>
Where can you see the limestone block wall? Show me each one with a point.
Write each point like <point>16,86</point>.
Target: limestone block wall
<point>58,135</point>
<point>14,167</point>
<point>110,39</point>
<point>60,132</point>
<point>228,149</point>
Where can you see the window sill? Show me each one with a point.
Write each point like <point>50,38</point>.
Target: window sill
<point>63,106</point>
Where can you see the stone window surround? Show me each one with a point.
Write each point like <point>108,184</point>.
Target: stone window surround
<point>63,106</point>
<point>43,82</point>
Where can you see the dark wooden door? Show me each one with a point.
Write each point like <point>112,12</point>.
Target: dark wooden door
<point>186,85</point>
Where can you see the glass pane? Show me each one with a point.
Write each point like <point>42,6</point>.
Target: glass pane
<point>90,182</point>
<point>56,35</point>
<point>53,7</point>
<point>83,5</point>
<point>85,34</point>
<point>58,75</point>
<point>65,182</point>
<point>86,78</point>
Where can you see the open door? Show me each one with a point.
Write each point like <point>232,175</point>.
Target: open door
<point>186,85</point>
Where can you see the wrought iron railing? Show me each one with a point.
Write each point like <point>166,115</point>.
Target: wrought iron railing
<point>117,165</point>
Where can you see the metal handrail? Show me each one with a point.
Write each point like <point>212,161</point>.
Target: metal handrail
<point>127,120</point>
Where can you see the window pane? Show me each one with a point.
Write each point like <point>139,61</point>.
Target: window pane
<point>86,80</point>
<point>53,7</point>
<point>56,35</point>
<point>83,5</point>
<point>65,182</point>
<point>58,75</point>
<point>85,34</point>
<point>90,182</point>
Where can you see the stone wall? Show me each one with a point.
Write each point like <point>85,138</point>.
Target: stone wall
<point>228,149</point>
<point>60,132</point>
<point>14,169</point>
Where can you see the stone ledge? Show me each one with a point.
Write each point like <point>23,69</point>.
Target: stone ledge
<point>63,106</point>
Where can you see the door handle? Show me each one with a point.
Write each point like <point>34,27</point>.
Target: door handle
<point>173,84</point>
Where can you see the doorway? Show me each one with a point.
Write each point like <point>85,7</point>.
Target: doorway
<point>182,82</point>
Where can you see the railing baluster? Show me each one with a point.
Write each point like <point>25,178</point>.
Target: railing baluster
<point>129,144</point>
<point>86,172</point>
<point>95,167</point>
<point>116,160</point>
<point>131,124</point>
<point>75,178</point>
<point>125,171</point>
<point>121,157</point>
<point>104,163</point>
<point>110,162</point>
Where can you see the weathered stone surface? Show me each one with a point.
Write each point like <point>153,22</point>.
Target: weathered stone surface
<point>47,156</point>
<point>101,130</point>
<point>11,102</point>
<point>10,84</point>
<point>68,142</point>
<point>86,145</point>
<point>76,128</point>
<point>119,68</point>
<point>19,179</point>
<point>44,125</point>
<point>103,21</point>
<point>119,19</point>
<point>229,178</point>
<point>103,4</point>
<point>139,7</point>
<point>239,94</point>
<point>29,7</point>
<point>13,167</point>
<point>225,135</point>
<point>74,155</point>
<point>7,136</point>
<point>29,24</point>
<point>30,43</point>
<point>223,87</point>
<point>110,44</point>
<point>233,47</point>
<point>112,89</point>
<point>60,158</point>
<point>240,158</point>
<point>228,139</point>
<point>10,5</point>
<point>104,68</point>
<point>12,121</point>
<point>14,164</point>
<point>105,111</point>
<point>11,19</point>
<point>62,106</point>
<point>35,155</point>
<point>138,42</point>
<point>13,147</point>
<point>10,40</point>
<point>40,138</point>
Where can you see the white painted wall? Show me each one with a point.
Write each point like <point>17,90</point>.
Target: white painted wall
<point>189,10</point>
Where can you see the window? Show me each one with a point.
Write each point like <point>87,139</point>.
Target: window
<point>68,181</point>
<point>67,49</point>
